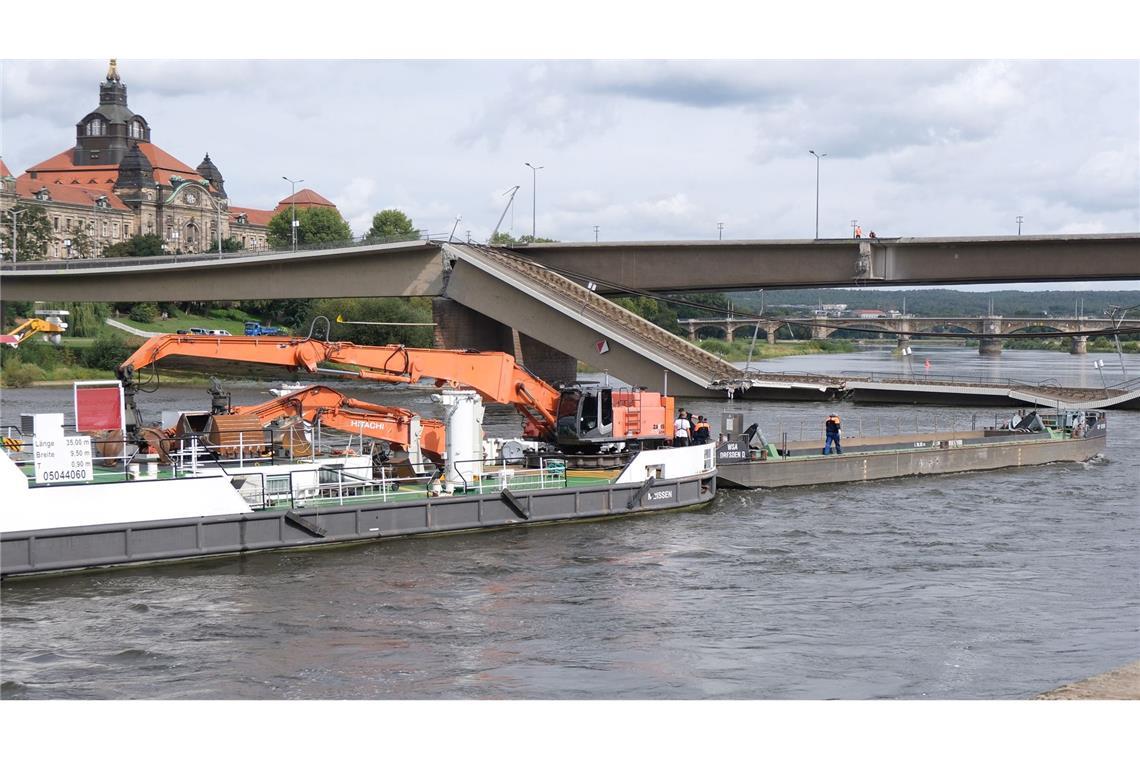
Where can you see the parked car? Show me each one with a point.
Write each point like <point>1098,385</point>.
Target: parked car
<point>195,331</point>
<point>218,332</point>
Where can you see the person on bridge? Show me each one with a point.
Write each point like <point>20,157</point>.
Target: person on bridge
<point>833,427</point>
<point>681,429</point>
<point>858,231</point>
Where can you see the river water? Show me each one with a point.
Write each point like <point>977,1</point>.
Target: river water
<point>993,585</point>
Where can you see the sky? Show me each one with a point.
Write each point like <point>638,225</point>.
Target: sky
<point>641,149</point>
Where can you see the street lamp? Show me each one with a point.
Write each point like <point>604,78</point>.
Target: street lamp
<point>720,230</point>
<point>817,157</point>
<point>595,233</point>
<point>293,204</point>
<point>533,199</point>
<point>854,224</point>
<point>1019,218</point>
<point>15,226</point>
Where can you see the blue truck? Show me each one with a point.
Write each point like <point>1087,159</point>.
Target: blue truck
<point>256,328</point>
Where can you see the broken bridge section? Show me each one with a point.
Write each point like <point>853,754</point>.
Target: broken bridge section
<point>554,311</point>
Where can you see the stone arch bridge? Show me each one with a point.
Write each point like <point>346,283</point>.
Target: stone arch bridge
<point>992,328</point>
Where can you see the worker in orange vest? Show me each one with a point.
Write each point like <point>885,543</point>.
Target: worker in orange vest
<point>858,231</point>
<point>832,426</point>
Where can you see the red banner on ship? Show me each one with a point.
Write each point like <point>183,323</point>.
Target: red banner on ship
<point>98,408</point>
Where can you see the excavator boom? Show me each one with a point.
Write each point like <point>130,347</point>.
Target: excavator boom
<point>494,375</point>
<point>335,410</point>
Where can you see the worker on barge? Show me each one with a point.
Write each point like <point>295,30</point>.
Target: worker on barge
<point>833,427</point>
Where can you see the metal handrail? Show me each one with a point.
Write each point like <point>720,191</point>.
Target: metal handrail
<point>175,258</point>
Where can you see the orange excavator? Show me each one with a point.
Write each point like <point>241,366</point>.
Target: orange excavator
<point>402,428</point>
<point>576,419</point>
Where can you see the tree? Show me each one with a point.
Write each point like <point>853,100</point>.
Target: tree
<point>231,245</point>
<point>315,225</point>
<point>392,224</point>
<point>377,310</point>
<point>139,245</point>
<point>82,246</point>
<point>504,239</point>
<point>34,233</point>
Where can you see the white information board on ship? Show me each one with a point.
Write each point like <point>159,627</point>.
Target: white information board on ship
<point>63,460</point>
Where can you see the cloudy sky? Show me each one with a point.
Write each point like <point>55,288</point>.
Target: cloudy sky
<point>650,150</point>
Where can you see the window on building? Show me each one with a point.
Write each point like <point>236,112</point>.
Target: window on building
<point>136,130</point>
<point>55,223</point>
<point>104,229</point>
<point>115,229</point>
<point>70,223</point>
<point>96,128</point>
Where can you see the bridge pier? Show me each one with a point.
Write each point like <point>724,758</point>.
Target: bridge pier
<point>990,346</point>
<point>547,362</point>
<point>770,331</point>
<point>457,326</point>
<point>1079,345</point>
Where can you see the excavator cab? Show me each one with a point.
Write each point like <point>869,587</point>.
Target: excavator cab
<point>585,417</point>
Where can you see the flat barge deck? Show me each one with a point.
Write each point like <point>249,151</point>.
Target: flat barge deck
<point>802,463</point>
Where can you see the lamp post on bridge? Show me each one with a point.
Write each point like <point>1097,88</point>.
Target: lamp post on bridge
<point>15,227</point>
<point>293,205</point>
<point>817,157</point>
<point>533,199</point>
<point>720,230</point>
<point>1019,218</point>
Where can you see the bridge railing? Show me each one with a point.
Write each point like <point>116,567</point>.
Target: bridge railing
<point>174,258</point>
<point>973,380</point>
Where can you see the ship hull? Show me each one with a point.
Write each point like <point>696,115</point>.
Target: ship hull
<point>930,459</point>
<point>85,547</point>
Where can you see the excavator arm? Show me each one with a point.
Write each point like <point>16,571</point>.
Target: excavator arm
<point>494,375</point>
<point>30,327</point>
<point>335,410</point>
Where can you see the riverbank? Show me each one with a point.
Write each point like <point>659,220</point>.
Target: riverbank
<point>1122,683</point>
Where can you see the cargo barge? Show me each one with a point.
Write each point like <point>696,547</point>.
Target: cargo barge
<point>1033,439</point>
<point>226,491</point>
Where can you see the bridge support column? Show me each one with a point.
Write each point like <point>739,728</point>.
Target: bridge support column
<point>692,332</point>
<point>991,346</point>
<point>904,340</point>
<point>547,362</point>
<point>1079,345</point>
<point>819,332</point>
<point>770,331</point>
<point>457,326</point>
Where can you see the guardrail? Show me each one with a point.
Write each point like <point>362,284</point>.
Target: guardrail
<point>183,258</point>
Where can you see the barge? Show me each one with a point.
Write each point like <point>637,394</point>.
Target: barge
<point>1033,439</point>
<point>206,497</point>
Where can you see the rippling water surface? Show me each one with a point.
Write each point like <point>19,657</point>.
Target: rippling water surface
<point>990,585</point>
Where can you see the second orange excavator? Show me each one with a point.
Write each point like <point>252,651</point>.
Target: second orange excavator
<point>320,405</point>
<point>579,419</point>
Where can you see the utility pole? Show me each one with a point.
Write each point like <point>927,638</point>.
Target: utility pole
<point>533,200</point>
<point>817,157</point>
<point>720,230</point>
<point>1019,218</point>
<point>15,226</point>
<point>854,224</point>
<point>595,233</point>
<point>293,204</point>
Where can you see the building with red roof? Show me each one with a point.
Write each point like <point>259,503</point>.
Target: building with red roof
<point>115,183</point>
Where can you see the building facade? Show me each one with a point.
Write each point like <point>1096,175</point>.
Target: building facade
<point>114,183</point>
